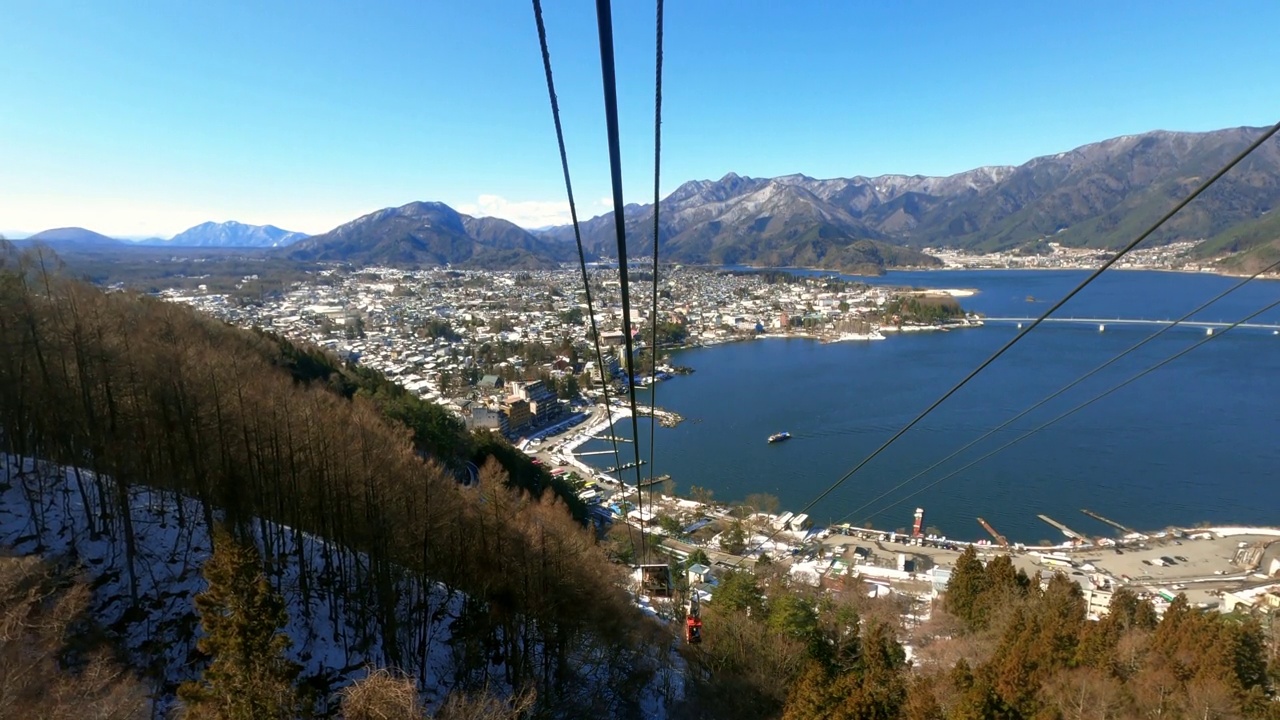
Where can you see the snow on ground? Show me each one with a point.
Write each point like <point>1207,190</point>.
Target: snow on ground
<point>42,511</point>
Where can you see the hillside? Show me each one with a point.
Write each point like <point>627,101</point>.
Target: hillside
<point>1249,246</point>
<point>170,422</point>
<point>1097,195</point>
<point>426,234</point>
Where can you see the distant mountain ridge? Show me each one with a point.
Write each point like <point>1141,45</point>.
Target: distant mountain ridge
<point>229,234</point>
<point>1097,195</point>
<point>74,238</point>
<point>432,234</point>
<point>234,234</point>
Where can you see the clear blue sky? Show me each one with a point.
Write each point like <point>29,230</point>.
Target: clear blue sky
<point>140,118</point>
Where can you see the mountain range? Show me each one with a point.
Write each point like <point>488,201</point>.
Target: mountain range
<point>232,234</point>
<point>432,233</point>
<point>229,234</point>
<point>1098,195</point>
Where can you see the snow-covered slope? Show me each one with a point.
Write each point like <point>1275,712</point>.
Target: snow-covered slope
<point>50,510</point>
<point>148,603</point>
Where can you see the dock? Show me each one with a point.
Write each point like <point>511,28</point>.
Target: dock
<point>1004,542</point>
<point>655,481</point>
<point>609,438</point>
<point>1112,523</point>
<point>627,466</point>
<point>1065,530</point>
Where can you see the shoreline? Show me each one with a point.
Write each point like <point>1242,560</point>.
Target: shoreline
<point>1068,545</point>
<point>924,269</point>
<point>788,538</point>
<point>1175,271</point>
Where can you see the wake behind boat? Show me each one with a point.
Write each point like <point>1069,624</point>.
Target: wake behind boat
<point>779,437</point>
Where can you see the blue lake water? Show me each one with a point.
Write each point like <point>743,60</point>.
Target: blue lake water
<point>1193,441</point>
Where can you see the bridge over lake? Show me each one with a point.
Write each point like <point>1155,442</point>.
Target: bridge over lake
<point>1103,322</point>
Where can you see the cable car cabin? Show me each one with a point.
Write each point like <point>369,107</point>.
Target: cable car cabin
<point>692,630</point>
<point>693,621</point>
<point>654,580</point>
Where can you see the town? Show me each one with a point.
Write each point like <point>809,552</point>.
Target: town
<point>502,350</point>
<point>1048,255</point>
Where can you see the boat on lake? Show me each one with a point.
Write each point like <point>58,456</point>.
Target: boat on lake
<point>779,437</point>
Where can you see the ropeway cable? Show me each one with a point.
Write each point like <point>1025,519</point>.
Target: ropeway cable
<point>604,23</point>
<point>577,236</point>
<point>1205,185</point>
<point>1059,392</point>
<point>1077,408</point>
<point>653,317</point>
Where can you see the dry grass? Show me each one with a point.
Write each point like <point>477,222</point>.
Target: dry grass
<point>48,667</point>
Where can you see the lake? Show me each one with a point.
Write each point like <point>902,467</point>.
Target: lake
<point>1193,441</point>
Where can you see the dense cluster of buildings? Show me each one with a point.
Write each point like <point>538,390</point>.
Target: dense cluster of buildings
<point>1174,256</point>
<point>503,349</point>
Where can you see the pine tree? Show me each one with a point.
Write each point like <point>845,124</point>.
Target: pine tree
<point>965,589</point>
<point>921,702</point>
<point>248,677</point>
<point>811,695</point>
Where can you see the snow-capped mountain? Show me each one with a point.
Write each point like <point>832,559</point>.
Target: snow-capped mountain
<point>234,234</point>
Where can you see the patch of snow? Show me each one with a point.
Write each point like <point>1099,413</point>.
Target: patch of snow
<point>49,510</point>
<point>52,510</point>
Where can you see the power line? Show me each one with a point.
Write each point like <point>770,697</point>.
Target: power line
<point>1059,392</point>
<point>577,236</point>
<point>1077,408</point>
<point>1036,323</point>
<point>604,22</point>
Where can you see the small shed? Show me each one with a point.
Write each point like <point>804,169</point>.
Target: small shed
<point>698,574</point>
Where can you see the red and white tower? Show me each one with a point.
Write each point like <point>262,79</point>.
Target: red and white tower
<point>915,528</point>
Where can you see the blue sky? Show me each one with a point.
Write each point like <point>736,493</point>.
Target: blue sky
<point>144,118</point>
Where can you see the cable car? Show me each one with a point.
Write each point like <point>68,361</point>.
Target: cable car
<point>693,623</point>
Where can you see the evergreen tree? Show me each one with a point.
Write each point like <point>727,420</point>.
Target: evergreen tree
<point>921,702</point>
<point>965,589</point>
<point>698,557</point>
<point>734,539</point>
<point>248,677</point>
<point>739,591</point>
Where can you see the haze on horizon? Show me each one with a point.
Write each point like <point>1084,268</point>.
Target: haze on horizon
<point>136,121</point>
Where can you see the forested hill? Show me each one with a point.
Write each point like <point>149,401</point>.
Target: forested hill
<point>276,440</point>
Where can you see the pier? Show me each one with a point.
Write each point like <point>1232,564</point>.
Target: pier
<point>1103,322</point>
<point>1065,530</point>
<point>626,466</point>
<point>1112,523</point>
<point>655,481</point>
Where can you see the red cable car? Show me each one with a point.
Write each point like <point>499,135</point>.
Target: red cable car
<point>692,630</point>
<point>693,623</point>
